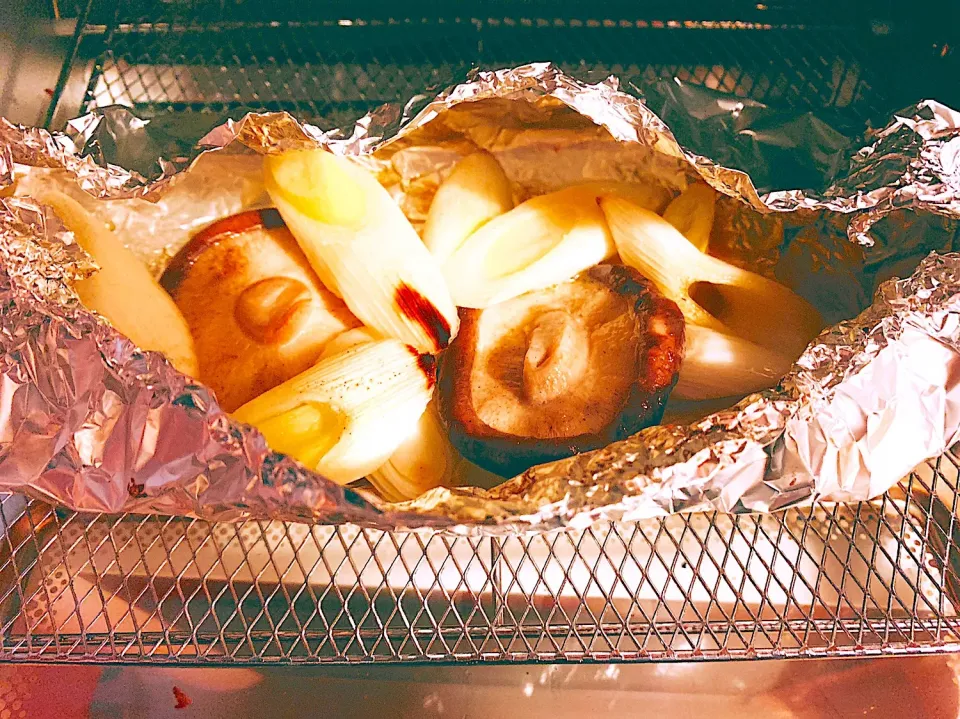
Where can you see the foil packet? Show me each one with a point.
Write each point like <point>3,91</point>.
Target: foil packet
<point>89,421</point>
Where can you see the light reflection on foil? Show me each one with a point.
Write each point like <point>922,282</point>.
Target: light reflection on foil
<point>869,399</point>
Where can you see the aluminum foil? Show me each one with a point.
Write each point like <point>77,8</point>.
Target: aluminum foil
<point>89,421</point>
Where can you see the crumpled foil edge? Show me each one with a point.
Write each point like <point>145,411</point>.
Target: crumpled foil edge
<point>89,421</point>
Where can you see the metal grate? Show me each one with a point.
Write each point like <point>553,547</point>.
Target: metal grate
<point>868,579</point>
<point>847,580</point>
<point>330,67</point>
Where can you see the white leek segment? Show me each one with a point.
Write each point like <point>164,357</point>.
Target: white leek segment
<point>347,414</point>
<point>648,195</point>
<point>425,460</point>
<point>546,240</point>
<point>692,212</point>
<point>362,246</point>
<point>720,365</point>
<point>474,193</point>
<point>123,290</point>
<point>347,339</point>
<point>710,292</point>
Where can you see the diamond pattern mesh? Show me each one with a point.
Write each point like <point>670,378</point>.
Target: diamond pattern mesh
<point>330,67</point>
<point>875,578</point>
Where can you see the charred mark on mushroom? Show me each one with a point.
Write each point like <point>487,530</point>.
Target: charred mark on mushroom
<point>212,234</point>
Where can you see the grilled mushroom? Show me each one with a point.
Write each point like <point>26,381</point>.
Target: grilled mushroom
<point>561,370</point>
<point>258,313</point>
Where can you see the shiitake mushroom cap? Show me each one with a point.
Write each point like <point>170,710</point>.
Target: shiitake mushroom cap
<point>257,311</point>
<point>657,355</point>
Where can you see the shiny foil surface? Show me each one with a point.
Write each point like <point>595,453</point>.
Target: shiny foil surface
<point>89,421</point>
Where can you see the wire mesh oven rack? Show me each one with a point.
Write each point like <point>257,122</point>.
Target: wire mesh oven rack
<point>875,578</point>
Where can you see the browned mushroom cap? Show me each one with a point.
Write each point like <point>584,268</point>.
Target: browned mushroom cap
<point>257,312</point>
<point>562,370</point>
